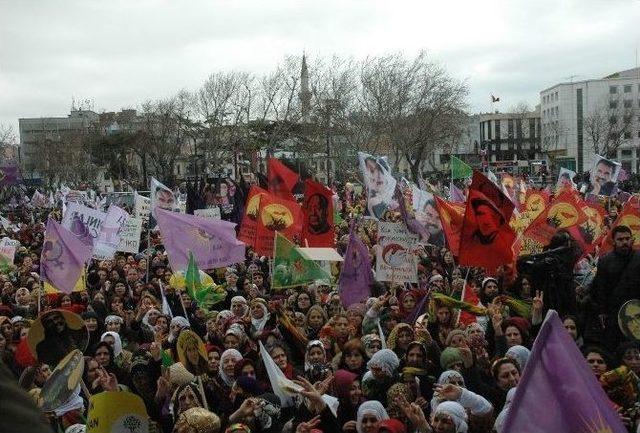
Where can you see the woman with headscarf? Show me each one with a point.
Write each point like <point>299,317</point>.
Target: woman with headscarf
<point>122,357</point>
<point>239,307</point>
<point>449,417</point>
<point>353,357</point>
<point>186,397</point>
<point>451,387</point>
<point>371,343</point>
<point>260,317</point>
<point>315,354</point>
<point>383,372</point>
<point>103,353</point>
<point>370,413</point>
<point>521,354</point>
<point>315,319</point>
<point>218,389</point>
<point>399,338</point>
<point>347,389</point>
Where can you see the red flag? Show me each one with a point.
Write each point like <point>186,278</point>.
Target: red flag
<point>276,214</point>
<point>282,179</point>
<point>318,229</point>
<point>486,239</point>
<point>249,223</point>
<point>565,211</point>
<point>451,218</point>
<point>630,217</point>
<point>469,297</point>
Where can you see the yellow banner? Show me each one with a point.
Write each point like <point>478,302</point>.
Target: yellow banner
<point>117,411</point>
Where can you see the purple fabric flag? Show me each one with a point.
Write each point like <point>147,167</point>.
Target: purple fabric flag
<point>355,278</point>
<point>63,257</point>
<point>9,176</point>
<point>81,231</point>
<point>213,242</point>
<point>558,392</point>
<point>455,194</point>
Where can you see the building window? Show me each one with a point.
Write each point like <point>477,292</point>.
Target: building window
<point>627,88</point>
<point>627,135</point>
<point>613,104</point>
<point>556,96</point>
<point>626,152</point>
<point>613,90</point>
<point>628,103</point>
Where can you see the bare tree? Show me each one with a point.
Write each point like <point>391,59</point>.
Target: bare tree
<point>8,144</point>
<point>609,127</point>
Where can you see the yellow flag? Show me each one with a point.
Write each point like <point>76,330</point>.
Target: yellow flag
<point>117,411</point>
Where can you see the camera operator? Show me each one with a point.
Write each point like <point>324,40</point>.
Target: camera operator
<point>552,272</point>
<point>617,280</point>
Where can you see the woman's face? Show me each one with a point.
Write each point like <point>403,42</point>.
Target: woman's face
<point>491,289</point>
<point>443,315</point>
<point>214,360</point>
<point>408,303</point>
<point>342,326</point>
<point>153,314</point>
<point>102,356</point>
<point>187,399</point>
<point>448,258</point>
<point>43,373</point>
<point>443,423</point>
<point>405,336</point>
<point>508,376</point>
<point>248,370</point>
<point>316,355</point>
<point>571,328</point>
<point>116,304</point>
<point>279,357</point>
<point>162,325</point>
<point>228,366</point>
<point>458,340</point>
<point>92,370</point>
<point>191,351</point>
<point>91,323</point>
<point>258,280</point>
<point>597,363</point>
<point>315,319</point>
<point>257,312</point>
<point>355,392</point>
<point>120,289</point>
<point>22,296</point>
<point>631,359</point>
<point>354,360</point>
<point>237,308</point>
<point>513,336</point>
<point>113,326</point>
<point>7,329</point>
<point>65,301</point>
<point>369,423</point>
<point>526,288</point>
<point>456,274</point>
<point>99,297</point>
<point>415,356</point>
<point>110,340</point>
<point>304,301</point>
<point>231,342</point>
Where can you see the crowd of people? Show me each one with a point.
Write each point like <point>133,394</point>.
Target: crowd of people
<point>404,360</point>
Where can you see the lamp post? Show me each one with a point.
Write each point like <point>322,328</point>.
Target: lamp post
<point>330,105</point>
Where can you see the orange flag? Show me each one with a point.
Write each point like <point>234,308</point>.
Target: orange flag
<point>565,211</point>
<point>249,223</point>
<point>451,218</point>
<point>282,179</point>
<point>276,214</point>
<point>630,217</point>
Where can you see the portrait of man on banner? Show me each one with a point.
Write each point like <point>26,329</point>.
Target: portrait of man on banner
<point>379,183</point>
<point>604,176</point>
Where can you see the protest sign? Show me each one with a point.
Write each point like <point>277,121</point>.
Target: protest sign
<point>91,218</point>
<point>141,207</point>
<point>117,411</point>
<point>130,235</point>
<point>213,213</point>
<point>396,260</point>
<point>109,238</point>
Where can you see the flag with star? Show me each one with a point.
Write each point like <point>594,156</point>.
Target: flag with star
<point>63,257</point>
<point>291,268</point>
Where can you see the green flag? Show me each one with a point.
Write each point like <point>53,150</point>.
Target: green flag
<point>459,169</point>
<point>291,267</point>
<point>205,297</point>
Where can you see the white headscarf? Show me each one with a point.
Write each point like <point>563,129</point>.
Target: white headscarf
<point>180,321</point>
<point>241,300</point>
<point>145,319</point>
<point>229,353</point>
<point>117,345</point>
<point>258,324</point>
<point>386,359</point>
<point>520,354</point>
<point>457,414</point>
<point>310,345</point>
<point>371,407</point>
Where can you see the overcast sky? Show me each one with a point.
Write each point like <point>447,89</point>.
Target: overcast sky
<point>121,52</point>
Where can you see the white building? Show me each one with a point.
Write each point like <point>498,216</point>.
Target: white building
<point>572,112</point>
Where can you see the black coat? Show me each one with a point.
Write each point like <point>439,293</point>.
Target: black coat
<point>616,281</point>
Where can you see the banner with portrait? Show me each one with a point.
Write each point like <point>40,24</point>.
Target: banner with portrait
<point>396,258</point>
<point>379,183</point>
<point>604,176</point>
<point>318,227</point>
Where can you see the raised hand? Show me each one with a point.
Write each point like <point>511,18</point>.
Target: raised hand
<point>306,427</point>
<point>316,403</point>
<point>449,391</point>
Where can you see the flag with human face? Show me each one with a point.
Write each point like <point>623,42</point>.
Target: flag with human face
<point>486,239</point>
<point>355,277</point>
<point>379,183</point>
<point>318,228</point>
<point>162,197</point>
<point>213,242</point>
<point>604,176</point>
<point>63,257</point>
<point>558,392</point>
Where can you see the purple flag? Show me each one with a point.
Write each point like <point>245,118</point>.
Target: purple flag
<point>81,231</point>
<point>213,242</point>
<point>63,257</point>
<point>355,278</point>
<point>558,392</point>
<point>455,194</point>
<point>9,176</point>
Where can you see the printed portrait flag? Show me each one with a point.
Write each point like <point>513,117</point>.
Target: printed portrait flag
<point>213,242</point>
<point>486,239</point>
<point>355,278</point>
<point>282,179</point>
<point>380,184</point>
<point>318,228</point>
<point>558,392</point>
<point>63,257</point>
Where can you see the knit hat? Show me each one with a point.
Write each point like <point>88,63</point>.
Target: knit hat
<point>179,375</point>
<point>449,357</point>
<point>456,412</point>
<point>342,380</point>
